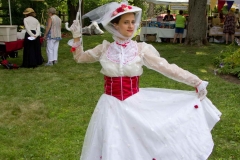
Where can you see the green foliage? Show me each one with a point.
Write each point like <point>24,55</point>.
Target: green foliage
<point>224,9</point>
<point>229,61</point>
<point>60,5</point>
<point>40,7</point>
<point>141,4</point>
<point>17,8</point>
<point>158,9</point>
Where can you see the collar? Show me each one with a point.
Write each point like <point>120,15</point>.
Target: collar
<point>123,44</point>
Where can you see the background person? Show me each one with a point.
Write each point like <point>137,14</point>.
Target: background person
<point>32,56</point>
<point>229,25</point>
<point>237,16</point>
<point>141,123</point>
<point>221,16</point>
<point>180,25</point>
<point>168,16</point>
<point>53,36</point>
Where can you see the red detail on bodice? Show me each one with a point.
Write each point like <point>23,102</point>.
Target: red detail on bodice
<point>124,44</point>
<point>121,87</point>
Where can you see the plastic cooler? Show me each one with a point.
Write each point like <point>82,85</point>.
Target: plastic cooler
<point>8,33</point>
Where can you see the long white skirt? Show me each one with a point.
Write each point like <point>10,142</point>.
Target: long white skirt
<point>154,124</point>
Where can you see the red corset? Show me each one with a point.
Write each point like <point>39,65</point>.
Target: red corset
<point>121,87</point>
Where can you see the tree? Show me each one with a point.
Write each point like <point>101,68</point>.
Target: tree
<point>73,9</point>
<point>17,8</point>
<point>151,10</point>
<point>141,4</point>
<point>63,6</point>
<point>86,6</point>
<point>40,7</point>
<point>197,23</point>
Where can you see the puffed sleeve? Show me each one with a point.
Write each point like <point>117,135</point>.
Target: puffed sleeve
<point>89,56</point>
<point>152,60</point>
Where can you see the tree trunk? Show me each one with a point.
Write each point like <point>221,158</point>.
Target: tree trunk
<point>197,23</point>
<point>72,10</point>
<point>151,10</point>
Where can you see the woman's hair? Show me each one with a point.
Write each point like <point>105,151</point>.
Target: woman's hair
<point>181,12</point>
<point>52,10</point>
<point>33,14</point>
<point>117,19</point>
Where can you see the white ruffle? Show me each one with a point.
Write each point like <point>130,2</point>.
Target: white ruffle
<point>154,123</point>
<point>74,44</point>
<point>119,54</point>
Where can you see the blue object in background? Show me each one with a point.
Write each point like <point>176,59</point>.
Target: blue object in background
<point>154,24</point>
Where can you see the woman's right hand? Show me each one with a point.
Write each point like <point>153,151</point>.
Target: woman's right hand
<point>202,90</point>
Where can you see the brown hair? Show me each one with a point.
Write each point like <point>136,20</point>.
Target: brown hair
<point>33,14</point>
<point>117,19</point>
<point>52,10</point>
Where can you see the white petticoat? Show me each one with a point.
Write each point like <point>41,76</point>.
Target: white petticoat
<point>154,124</point>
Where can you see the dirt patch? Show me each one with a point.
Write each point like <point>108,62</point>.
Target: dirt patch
<point>230,78</point>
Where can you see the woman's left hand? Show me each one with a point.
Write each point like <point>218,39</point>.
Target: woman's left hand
<point>202,90</point>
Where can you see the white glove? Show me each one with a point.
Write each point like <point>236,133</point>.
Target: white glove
<point>76,29</point>
<point>201,90</point>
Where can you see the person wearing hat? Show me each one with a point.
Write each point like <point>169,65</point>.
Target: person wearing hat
<point>141,123</point>
<point>53,36</point>
<point>32,55</point>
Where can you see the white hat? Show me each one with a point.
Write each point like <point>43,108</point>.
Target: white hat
<point>106,13</point>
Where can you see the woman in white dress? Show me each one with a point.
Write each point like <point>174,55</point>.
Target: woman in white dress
<point>132,123</point>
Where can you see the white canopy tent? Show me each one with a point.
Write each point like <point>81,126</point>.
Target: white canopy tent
<point>169,2</point>
<point>181,2</point>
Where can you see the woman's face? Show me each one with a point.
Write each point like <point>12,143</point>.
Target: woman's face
<point>126,24</point>
<point>49,14</point>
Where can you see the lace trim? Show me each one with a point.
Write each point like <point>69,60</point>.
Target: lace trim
<point>122,54</point>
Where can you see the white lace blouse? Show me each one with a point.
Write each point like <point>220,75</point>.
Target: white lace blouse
<point>30,24</point>
<point>126,58</point>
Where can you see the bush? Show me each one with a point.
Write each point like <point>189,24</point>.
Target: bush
<point>229,61</point>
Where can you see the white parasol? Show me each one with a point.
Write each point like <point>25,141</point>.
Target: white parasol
<point>78,17</point>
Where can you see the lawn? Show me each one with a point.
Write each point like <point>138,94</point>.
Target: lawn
<point>45,111</point>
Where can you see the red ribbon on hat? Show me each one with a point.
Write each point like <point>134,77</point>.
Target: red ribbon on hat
<point>123,8</point>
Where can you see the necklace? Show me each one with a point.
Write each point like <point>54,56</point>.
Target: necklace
<point>123,44</point>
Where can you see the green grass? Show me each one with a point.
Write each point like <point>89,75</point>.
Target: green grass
<point>45,111</point>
